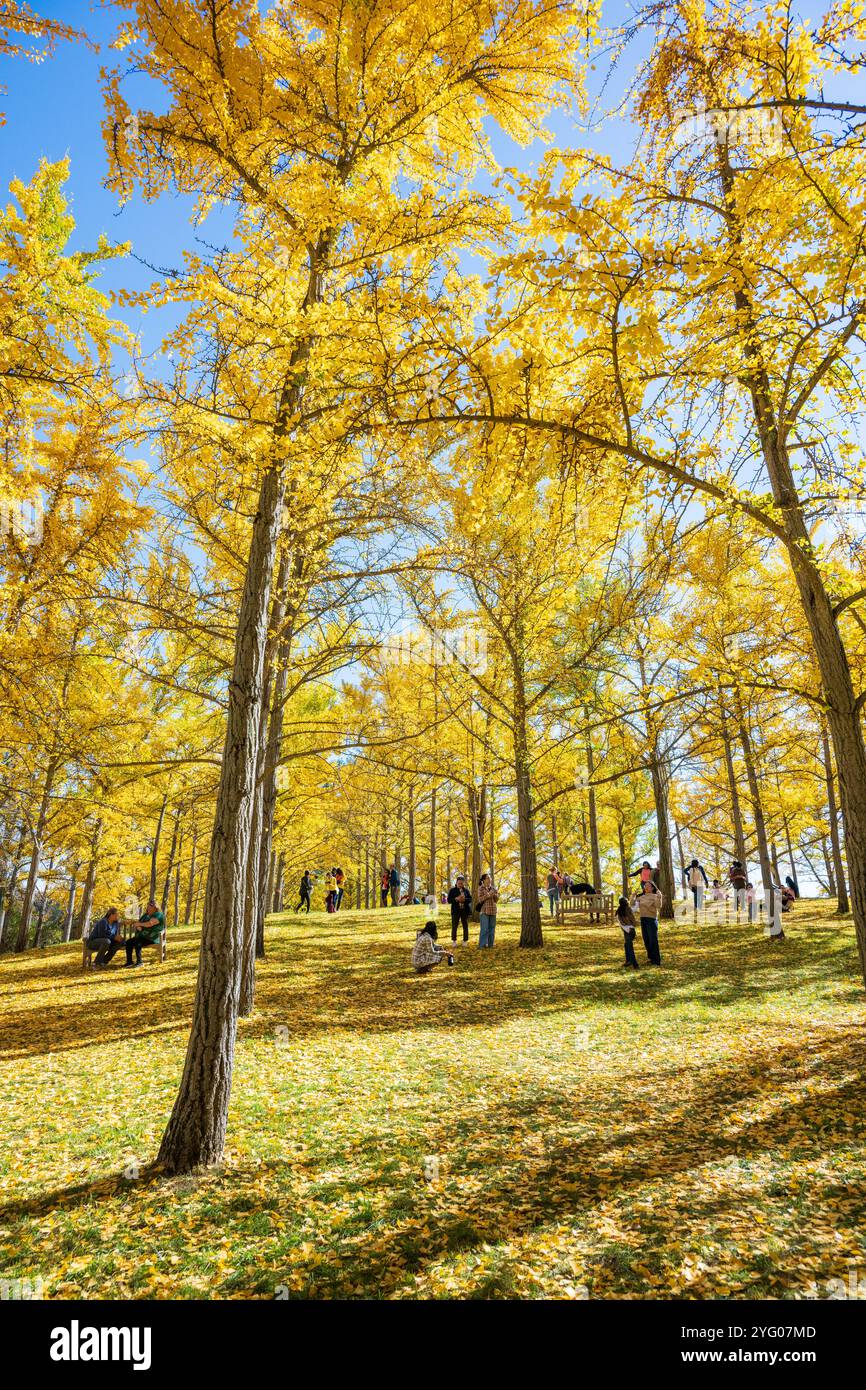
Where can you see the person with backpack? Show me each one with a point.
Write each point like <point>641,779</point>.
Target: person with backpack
<point>486,903</point>
<point>306,890</point>
<point>339,880</point>
<point>697,881</point>
<point>648,904</point>
<point>739,882</point>
<point>394,885</point>
<point>628,922</point>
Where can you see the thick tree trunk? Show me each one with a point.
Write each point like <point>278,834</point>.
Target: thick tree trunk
<point>833,821</point>
<point>491,858</point>
<point>842,707</point>
<point>195,1134</point>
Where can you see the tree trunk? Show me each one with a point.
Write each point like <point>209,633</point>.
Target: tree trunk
<point>623,861</point>
<point>70,906</point>
<point>554,836</point>
<point>666,867</point>
<point>190,882</point>
<point>172,853</point>
<point>478,823</point>
<point>195,1134</point>
<point>833,820</point>
<point>757,809</point>
<point>43,903</point>
<point>410,891</point>
<point>155,851</point>
<point>280,881</point>
<point>736,809</point>
<point>592,813</point>
<point>530,907</point>
<point>432,886</point>
<point>492,854</point>
<point>828,867</point>
<point>38,834</point>
<point>12,884</point>
<point>89,883</point>
<point>842,707</point>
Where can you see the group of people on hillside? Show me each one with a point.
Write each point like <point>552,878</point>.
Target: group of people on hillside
<point>562,885</point>
<point>105,938</point>
<point>426,952</point>
<point>334,882</point>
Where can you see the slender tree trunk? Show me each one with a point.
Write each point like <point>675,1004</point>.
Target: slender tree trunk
<point>492,841</point>
<point>177,895</point>
<point>666,866</point>
<point>433,886</point>
<point>172,854</point>
<point>154,854</point>
<point>828,866</point>
<point>190,882</point>
<point>367,872</point>
<point>70,906</point>
<point>478,823</point>
<point>43,903</point>
<point>12,884</point>
<point>89,883</point>
<point>554,836</point>
<point>278,881</point>
<point>682,857</point>
<point>33,873</point>
<point>411,867</point>
<point>623,861</point>
<point>833,820</point>
<point>757,808</point>
<point>592,813</point>
<point>734,791</point>
<point>530,907</point>
<point>794,878</point>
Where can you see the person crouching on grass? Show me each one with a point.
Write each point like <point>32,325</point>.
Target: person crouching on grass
<point>425,952</point>
<point>628,922</point>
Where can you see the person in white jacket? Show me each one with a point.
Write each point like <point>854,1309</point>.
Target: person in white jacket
<point>648,904</point>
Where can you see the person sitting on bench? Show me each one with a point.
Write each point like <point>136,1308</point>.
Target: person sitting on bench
<point>104,935</point>
<point>150,925</point>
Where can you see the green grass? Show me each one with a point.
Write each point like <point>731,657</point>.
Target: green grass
<point>694,1131</point>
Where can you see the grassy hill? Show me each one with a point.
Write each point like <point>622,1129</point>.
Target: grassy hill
<point>694,1131</point>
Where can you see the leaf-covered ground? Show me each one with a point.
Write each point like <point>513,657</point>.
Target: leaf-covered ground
<point>694,1131</point>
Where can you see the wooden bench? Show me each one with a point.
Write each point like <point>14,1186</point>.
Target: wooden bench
<point>87,953</point>
<point>595,907</point>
